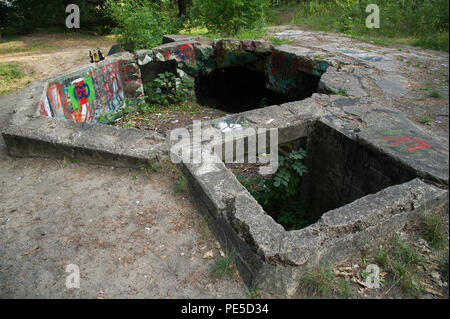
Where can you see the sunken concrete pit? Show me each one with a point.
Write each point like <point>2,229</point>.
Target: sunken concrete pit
<point>371,169</point>
<point>362,186</point>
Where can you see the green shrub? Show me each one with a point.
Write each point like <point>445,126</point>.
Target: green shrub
<point>230,16</point>
<point>279,194</point>
<point>140,24</point>
<point>167,89</point>
<point>422,23</point>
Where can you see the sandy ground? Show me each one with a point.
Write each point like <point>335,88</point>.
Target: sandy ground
<point>130,235</point>
<point>128,232</point>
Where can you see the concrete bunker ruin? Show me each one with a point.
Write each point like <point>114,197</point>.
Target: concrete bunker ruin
<point>340,170</point>
<point>363,185</point>
<point>236,75</point>
<point>371,169</point>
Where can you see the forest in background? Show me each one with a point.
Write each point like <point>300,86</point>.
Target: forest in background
<point>141,23</point>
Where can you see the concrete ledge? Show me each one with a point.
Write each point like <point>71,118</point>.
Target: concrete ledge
<point>273,259</point>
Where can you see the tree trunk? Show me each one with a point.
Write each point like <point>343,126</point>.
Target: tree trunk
<point>181,7</point>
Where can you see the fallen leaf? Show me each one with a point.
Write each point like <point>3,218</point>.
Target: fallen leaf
<point>31,250</point>
<point>208,254</point>
<point>361,283</point>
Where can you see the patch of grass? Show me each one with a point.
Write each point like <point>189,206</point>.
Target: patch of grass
<point>381,256</point>
<point>9,75</point>
<point>251,34</point>
<point>244,34</point>
<point>400,260</point>
<point>279,41</point>
<point>180,185</point>
<point>435,94</point>
<point>404,276</point>
<point>344,288</point>
<point>444,268</point>
<point>154,166</point>
<point>426,118</point>
<point>342,91</point>
<point>438,41</point>
<point>433,229</point>
<point>205,232</point>
<point>319,281</point>
<point>253,293</point>
<point>403,252</point>
<point>223,267</point>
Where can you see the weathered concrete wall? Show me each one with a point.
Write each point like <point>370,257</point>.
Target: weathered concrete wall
<point>31,135</point>
<point>342,170</point>
<point>82,95</point>
<point>273,259</point>
<point>191,57</point>
<point>287,71</point>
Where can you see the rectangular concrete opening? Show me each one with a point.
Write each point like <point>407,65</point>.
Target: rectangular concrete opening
<point>340,171</point>
<point>243,88</point>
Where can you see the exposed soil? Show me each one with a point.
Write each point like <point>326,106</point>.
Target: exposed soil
<point>130,234</point>
<point>45,54</point>
<point>166,119</point>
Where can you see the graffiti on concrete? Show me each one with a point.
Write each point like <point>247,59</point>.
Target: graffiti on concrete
<point>401,139</point>
<point>191,58</point>
<point>84,96</point>
<point>234,53</point>
<point>183,53</point>
<point>282,71</point>
<point>283,67</point>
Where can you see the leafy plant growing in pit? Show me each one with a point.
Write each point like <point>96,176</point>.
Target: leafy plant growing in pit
<point>167,89</point>
<point>111,117</point>
<point>279,195</point>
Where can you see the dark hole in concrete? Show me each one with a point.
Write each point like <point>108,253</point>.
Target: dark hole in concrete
<point>238,89</point>
<point>340,171</point>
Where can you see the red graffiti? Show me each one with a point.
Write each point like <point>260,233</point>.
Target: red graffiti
<point>167,54</point>
<point>186,52</point>
<point>112,83</point>
<point>401,139</point>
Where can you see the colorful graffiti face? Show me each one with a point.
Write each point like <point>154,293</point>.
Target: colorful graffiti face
<point>84,97</point>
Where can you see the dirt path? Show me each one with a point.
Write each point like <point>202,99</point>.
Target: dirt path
<point>129,233</point>
<point>45,54</point>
